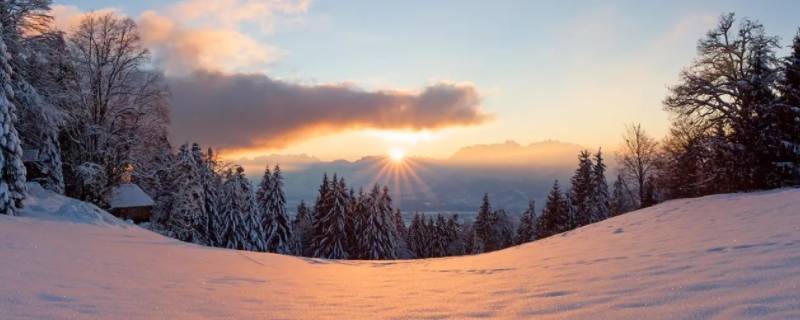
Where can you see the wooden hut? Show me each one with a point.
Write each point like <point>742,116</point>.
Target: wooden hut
<point>128,201</point>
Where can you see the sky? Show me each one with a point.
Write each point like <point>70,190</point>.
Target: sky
<point>346,79</point>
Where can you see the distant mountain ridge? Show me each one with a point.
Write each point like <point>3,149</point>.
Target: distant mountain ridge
<point>543,153</point>
<point>511,173</point>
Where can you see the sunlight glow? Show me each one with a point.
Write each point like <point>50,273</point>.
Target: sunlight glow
<point>404,137</point>
<point>397,154</point>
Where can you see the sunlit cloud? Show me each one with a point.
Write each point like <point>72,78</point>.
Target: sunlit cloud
<point>258,112</point>
<point>204,35</point>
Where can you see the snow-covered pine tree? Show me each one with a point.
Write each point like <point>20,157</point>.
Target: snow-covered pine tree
<point>401,233</point>
<point>788,116</point>
<point>620,199</point>
<point>599,197</point>
<point>212,187</point>
<point>356,222</point>
<point>417,238</point>
<point>12,171</point>
<point>302,228</point>
<point>503,230</point>
<point>188,207</point>
<point>555,215</point>
<point>526,231</point>
<point>441,237</point>
<point>30,46</point>
<point>263,198</point>
<point>330,223</point>
<point>279,230</point>
<point>484,225</point>
<point>378,237</point>
<point>582,191</point>
<point>456,246</point>
<point>236,228</point>
<point>202,168</point>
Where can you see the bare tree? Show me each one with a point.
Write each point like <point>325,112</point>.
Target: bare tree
<point>120,104</point>
<point>639,157</point>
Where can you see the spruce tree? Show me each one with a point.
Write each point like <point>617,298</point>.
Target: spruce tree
<point>526,231</point>
<point>582,192</point>
<point>212,185</point>
<point>788,116</point>
<point>302,228</point>
<point>330,223</point>
<point>240,229</point>
<point>279,232</point>
<point>619,202</point>
<point>188,207</point>
<point>600,197</point>
<point>377,239</point>
<point>12,171</point>
<point>555,215</point>
<point>484,225</point>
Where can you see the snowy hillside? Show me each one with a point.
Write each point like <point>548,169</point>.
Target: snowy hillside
<point>718,257</point>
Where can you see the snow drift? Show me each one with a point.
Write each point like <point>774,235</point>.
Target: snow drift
<point>718,257</point>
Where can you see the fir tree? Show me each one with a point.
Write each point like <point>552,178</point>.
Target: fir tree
<point>302,228</point>
<point>279,232</point>
<point>378,237</point>
<point>484,224</point>
<point>599,198</point>
<point>555,215</point>
<point>788,117</point>
<point>526,231</point>
<point>240,229</point>
<point>188,207</point>
<point>12,171</point>
<point>330,239</point>
<point>212,185</point>
<point>582,192</point>
<point>619,202</point>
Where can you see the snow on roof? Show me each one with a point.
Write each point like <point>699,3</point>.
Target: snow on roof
<point>129,195</point>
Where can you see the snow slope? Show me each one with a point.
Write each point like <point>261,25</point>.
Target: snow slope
<point>719,257</point>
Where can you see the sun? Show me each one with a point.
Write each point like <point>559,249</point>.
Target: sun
<point>397,154</point>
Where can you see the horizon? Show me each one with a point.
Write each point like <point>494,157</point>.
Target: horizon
<point>527,71</point>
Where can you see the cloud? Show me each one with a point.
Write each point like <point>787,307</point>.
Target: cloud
<point>241,111</point>
<point>210,51</point>
<point>214,35</point>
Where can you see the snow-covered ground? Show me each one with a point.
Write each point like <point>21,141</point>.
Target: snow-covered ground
<point>718,257</point>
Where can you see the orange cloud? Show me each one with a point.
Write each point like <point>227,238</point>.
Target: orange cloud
<point>203,34</point>
<point>241,111</point>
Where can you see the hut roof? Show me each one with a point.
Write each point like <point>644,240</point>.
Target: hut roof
<point>129,195</point>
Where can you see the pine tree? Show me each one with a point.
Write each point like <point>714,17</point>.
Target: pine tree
<point>788,117</point>
<point>212,185</point>
<point>239,229</point>
<point>302,228</point>
<point>599,198</point>
<point>378,237</point>
<point>12,171</point>
<point>188,205</point>
<point>484,224</point>
<point>263,198</point>
<point>582,191</point>
<point>279,232</point>
<point>401,235</point>
<point>357,217</point>
<point>555,216</point>
<point>330,222</point>
<point>526,231</point>
<point>420,237</point>
<point>619,202</point>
